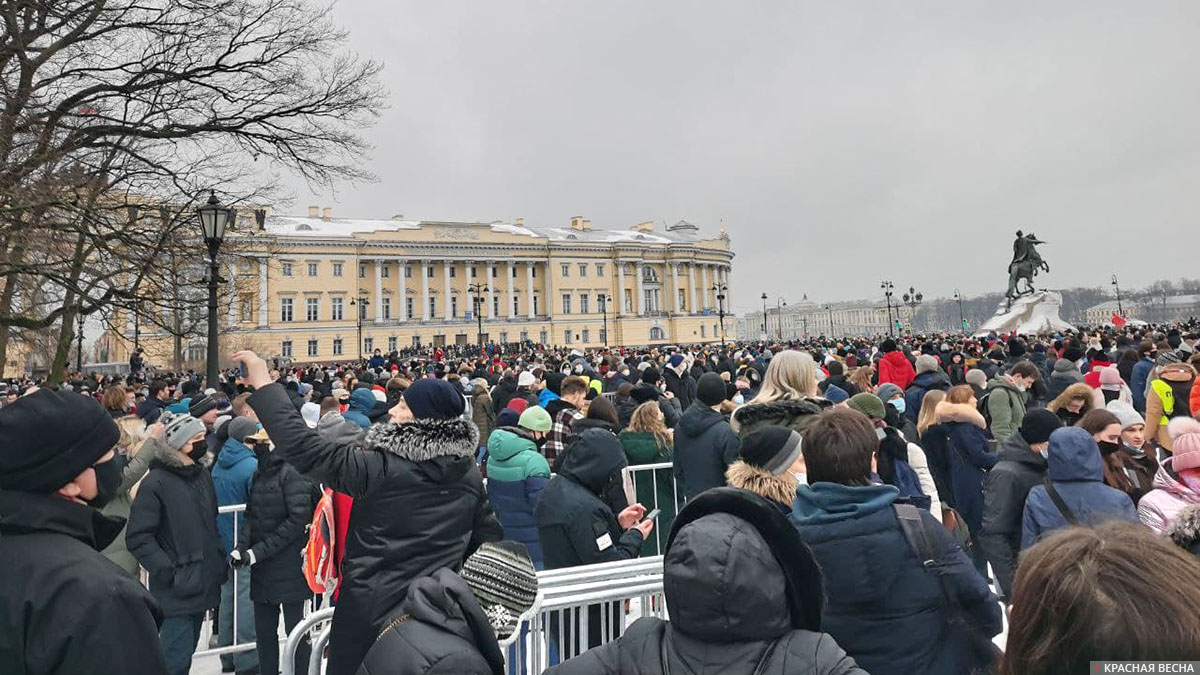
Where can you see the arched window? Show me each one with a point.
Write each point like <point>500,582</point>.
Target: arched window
<point>657,333</point>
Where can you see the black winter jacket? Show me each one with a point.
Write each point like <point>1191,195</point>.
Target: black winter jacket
<point>278,514</point>
<point>172,532</point>
<point>64,607</point>
<point>683,386</point>
<point>439,629</point>
<point>419,505</point>
<point>575,525</point>
<point>705,446</point>
<point>1005,488</point>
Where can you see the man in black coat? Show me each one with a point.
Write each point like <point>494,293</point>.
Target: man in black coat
<point>680,381</point>
<point>419,501</point>
<point>1021,466</point>
<point>705,445</point>
<point>64,607</point>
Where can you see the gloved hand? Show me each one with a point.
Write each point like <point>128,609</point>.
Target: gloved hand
<point>241,558</point>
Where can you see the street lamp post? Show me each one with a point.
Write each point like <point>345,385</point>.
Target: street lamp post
<point>137,326</point>
<point>912,298</point>
<point>79,345</point>
<point>887,287</point>
<point>720,288</point>
<point>362,305</point>
<point>829,308</point>
<point>478,289</point>
<point>1120,307</point>
<point>764,330</point>
<point>214,218</point>
<point>779,305</point>
<point>962,323</point>
<point>603,300</point>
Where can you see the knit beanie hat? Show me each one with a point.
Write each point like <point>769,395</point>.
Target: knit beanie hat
<point>1016,347</point>
<point>650,375</point>
<point>1166,359</point>
<point>887,391</point>
<point>180,429</point>
<point>1125,413</point>
<point>926,363</point>
<point>1072,353</point>
<point>888,345</point>
<point>241,427</point>
<point>553,382</point>
<point>1110,378</point>
<point>434,399</point>
<point>526,379</point>
<point>517,405</point>
<point>836,394</point>
<point>1182,425</point>
<point>869,405</point>
<point>771,448</point>
<point>535,419</point>
<point>199,406</point>
<point>976,377</point>
<point>1185,454</point>
<point>49,437</point>
<point>675,360</point>
<point>503,580</point>
<point>710,389</point>
<point>311,412</point>
<point>507,418</point>
<point>1037,425</point>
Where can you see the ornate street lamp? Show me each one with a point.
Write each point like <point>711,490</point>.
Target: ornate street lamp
<point>215,218</point>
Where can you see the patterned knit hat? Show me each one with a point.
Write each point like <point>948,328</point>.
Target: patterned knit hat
<point>502,577</point>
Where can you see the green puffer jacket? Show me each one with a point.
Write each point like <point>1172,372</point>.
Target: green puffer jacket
<point>657,491</point>
<point>517,475</point>
<point>513,456</point>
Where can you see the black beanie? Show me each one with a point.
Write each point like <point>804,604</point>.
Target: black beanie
<point>651,375</point>
<point>888,345</point>
<point>49,437</point>
<point>434,399</point>
<point>710,390</point>
<point>1016,347</point>
<point>771,448</point>
<point>201,405</point>
<point>1072,353</point>
<point>1037,425</point>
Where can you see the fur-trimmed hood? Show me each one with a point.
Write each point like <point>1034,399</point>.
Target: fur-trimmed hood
<point>173,460</point>
<point>423,440</point>
<point>784,412</point>
<point>780,489</point>
<point>1078,390</point>
<point>1184,530</point>
<point>959,412</point>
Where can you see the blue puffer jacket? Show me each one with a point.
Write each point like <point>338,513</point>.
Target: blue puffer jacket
<point>922,384</point>
<point>882,606</point>
<point>1077,472</point>
<point>232,476</point>
<point>362,404</point>
<point>517,475</point>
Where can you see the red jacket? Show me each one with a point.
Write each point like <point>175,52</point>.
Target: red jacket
<point>895,368</point>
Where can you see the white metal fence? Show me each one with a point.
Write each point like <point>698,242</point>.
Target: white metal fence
<point>654,486</point>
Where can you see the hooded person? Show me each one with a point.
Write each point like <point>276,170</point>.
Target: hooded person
<point>362,406</point>
<point>679,380</point>
<point>894,366</point>
<point>1020,465</point>
<point>744,594</point>
<point>65,609</point>
<point>420,464</point>
<point>451,623</point>
<point>1075,471</point>
<point>172,532</point>
<point>705,445</point>
<point>232,476</point>
<point>929,377</point>
<point>648,390</point>
<point>517,476</point>
<point>1177,482</point>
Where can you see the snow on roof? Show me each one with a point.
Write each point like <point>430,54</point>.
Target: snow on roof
<point>301,226</point>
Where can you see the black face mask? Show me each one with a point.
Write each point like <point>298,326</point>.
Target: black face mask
<point>199,449</point>
<point>1108,447</point>
<point>108,481</point>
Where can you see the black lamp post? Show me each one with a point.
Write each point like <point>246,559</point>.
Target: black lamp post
<point>477,289</point>
<point>137,327</point>
<point>603,300</point>
<point>779,305</point>
<point>1120,307</point>
<point>912,298</point>
<point>720,288</point>
<point>214,218</point>
<point>887,294</point>
<point>79,345</point>
<point>764,330</point>
<point>363,304</point>
<point>962,323</point>
<point>829,308</point>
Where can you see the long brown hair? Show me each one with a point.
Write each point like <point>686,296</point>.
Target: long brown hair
<point>647,418</point>
<point>1115,592</point>
<point>963,393</point>
<point>861,377</point>
<point>114,397</point>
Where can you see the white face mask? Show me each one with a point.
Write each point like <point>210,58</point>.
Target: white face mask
<point>1045,453</point>
<point>739,399</point>
<point>801,478</point>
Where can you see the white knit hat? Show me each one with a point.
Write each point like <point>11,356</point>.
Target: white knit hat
<point>504,581</point>
<point>1125,413</point>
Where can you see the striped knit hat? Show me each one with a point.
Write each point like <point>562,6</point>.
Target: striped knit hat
<point>502,577</point>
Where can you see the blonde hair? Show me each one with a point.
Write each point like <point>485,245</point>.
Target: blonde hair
<point>791,374</point>
<point>647,418</point>
<point>927,417</point>
<point>133,434</point>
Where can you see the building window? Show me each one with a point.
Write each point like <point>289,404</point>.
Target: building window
<point>408,271</point>
<point>584,305</point>
<point>312,347</point>
<point>391,344</point>
<point>337,310</point>
<point>604,335</point>
<point>535,305</point>
<point>471,269</point>
<point>429,271</point>
<point>362,308</point>
<point>337,269</point>
<point>453,307</point>
<point>247,309</point>
<point>368,345</point>
<point>312,269</point>
<point>285,349</point>
<point>657,333</point>
<point>503,337</point>
<point>495,270</point>
<point>599,269</point>
<point>586,336</point>
<point>567,336</point>
<point>495,306</point>
<point>387,307</point>
<point>385,271</point>
<point>312,309</point>
<point>408,308</point>
<point>583,271</point>
<point>337,346</point>
<point>534,268</point>
<point>524,336</point>
<point>702,329</point>
<point>682,304</point>
<point>362,270</point>
<point>285,269</point>
<point>566,270</point>
<point>453,272</point>
<point>285,309</point>
<point>566,303</point>
<point>516,305</point>
<point>432,306</point>
<point>543,337</point>
<point>513,269</point>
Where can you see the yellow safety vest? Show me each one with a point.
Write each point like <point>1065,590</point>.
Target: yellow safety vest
<point>1167,395</point>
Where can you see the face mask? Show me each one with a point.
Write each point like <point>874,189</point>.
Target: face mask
<point>108,480</point>
<point>739,399</point>
<point>898,404</point>
<point>198,451</point>
<point>880,433</point>
<point>801,478</point>
<point>1044,453</point>
<point>1108,447</point>
<point>1020,387</point>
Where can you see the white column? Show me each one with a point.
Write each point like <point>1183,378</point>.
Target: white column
<point>262,292</point>
<point>425,266</point>
<point>402,290</point>
<point>446,278</point>
<point>378,299</point>
<point>529,288</point>
<point>233,295</point>
<point>692,287</point>
<point>706,285</point>
<point>674,303</point>
<point>491,286</point>
<point>620,288</point>
<point>510,280</point>
<point>639,304</point>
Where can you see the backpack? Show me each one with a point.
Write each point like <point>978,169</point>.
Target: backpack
<point>319,569</point>
<point>982,407</point>
<point>909,485</point>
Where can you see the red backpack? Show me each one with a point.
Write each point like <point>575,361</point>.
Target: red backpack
<point>319,569</point>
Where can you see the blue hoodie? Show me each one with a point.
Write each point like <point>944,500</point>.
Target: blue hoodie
<point>545,396</point>
<point>362,404</point>
<point>882,606</point>
<point>232,476</point>
<point>1077,472</point>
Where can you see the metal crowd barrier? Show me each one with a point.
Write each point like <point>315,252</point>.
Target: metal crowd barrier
<point>206,631</point>
<point>662,473</point>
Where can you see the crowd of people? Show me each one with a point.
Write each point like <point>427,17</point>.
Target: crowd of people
<point>832,506</point>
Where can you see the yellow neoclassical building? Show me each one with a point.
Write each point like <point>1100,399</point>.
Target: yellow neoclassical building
<point>305,287</point>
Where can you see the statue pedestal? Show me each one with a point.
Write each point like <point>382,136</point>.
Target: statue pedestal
<point>1029,315</point>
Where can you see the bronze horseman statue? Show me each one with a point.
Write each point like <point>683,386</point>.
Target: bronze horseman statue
<point>1024,266</point>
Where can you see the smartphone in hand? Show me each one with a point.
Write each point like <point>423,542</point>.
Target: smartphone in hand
<point>652,515</point>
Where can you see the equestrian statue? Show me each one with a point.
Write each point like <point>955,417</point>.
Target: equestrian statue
<point>1024,266</point>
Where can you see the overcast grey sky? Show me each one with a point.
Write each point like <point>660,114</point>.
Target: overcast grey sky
<point>842,142</point>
